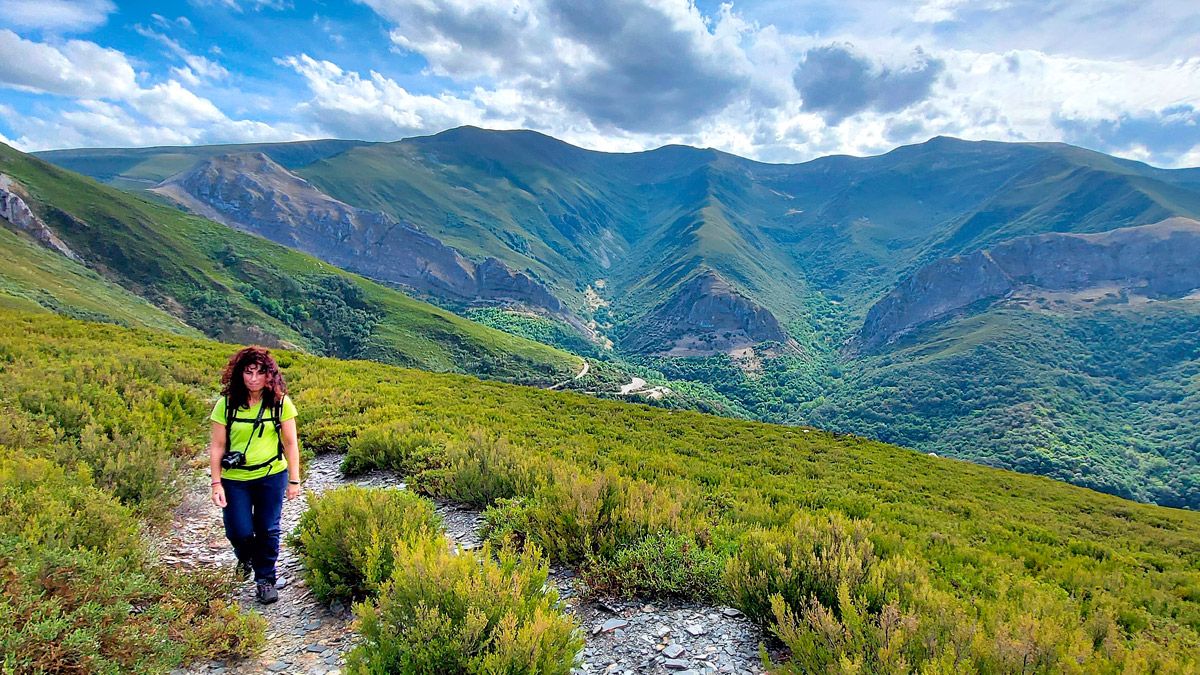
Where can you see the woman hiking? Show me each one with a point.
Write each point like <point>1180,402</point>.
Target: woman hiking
<point>255,462</point>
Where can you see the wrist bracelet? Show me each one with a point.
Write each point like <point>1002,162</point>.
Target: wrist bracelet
<point>294,482</point>
<point>216,482</point>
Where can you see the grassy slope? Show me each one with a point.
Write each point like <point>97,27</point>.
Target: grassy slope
<point>856,225</point>
<point>43,278</point>
<point>204,272</point>
<point>995,539</point>
<point>534,202</point>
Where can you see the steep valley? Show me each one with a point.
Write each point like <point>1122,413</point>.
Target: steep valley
<point>875,295</point>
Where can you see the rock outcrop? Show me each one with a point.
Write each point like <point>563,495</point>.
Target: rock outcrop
<point>253,193</point>
<point>1154,261</point>
<point>706,316</point>
<point>14,209</point>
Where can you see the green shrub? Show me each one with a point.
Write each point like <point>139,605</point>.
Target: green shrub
<point>575,515</point>
<point>809,559</point>
<point>478,470</point>
<point>663,564</point>
<point>137,466</point>
<point>329,437</point>
<point>44,505</point>
<point>442,612</point>
<point>78,594</point>
<point>347,536</point>
<point>19,429</point>
<point>76,610</point>
<point>396,447</point>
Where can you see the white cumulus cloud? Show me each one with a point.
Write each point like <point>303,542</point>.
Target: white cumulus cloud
<point>64,16</point>
<point>76,68</point>
<point>375,107</point>
<point>110,107</point>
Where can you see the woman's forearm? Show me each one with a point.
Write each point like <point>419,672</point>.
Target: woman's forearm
<point>292,451</point>
<point>214,462</point>
<point>216,449</point>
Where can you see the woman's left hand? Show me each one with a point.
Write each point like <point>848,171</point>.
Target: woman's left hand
<point>293,491</point>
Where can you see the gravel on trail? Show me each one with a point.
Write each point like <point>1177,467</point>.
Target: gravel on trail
<point>307,637</point>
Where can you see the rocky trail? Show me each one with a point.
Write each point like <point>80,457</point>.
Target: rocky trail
<point>306,637</point>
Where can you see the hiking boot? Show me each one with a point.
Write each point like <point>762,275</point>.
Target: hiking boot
<point>265,592</point>
<point>243,570</point>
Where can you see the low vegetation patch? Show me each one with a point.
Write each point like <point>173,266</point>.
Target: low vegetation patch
<point>79,592</point>
<point>663,565</point>
<point>463,613</point>
<point>398,447</point>
<point>346,538</point>
<point>423,607</point>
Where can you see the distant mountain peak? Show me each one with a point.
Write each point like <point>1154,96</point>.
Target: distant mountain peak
<point>251,192</point>
<point>707,315</point>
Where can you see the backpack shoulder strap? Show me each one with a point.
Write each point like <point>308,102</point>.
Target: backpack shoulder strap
<point>276,417</point>
<point>230,413</point>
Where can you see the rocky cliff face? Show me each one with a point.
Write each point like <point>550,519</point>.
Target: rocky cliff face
<point>253,193</point>
<point>1154,261</point>
<point>14,209</point>
<point>706,316</point>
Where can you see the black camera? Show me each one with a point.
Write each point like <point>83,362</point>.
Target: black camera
<point>233,459</point>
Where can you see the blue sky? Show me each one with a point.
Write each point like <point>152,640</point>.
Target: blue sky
<point>772,80</point>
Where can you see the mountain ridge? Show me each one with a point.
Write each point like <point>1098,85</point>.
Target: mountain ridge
<point>253,193</point>
<point>617,236</point>
<point>237,287</point>
<point>1150,260</point>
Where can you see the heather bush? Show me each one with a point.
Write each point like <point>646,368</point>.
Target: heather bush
<point>44,505</point>
<point>20,429</point>
<point>347,537</point>
<point>442,612</point>
<point>123,418</point>
<point>79,594</point>
<point>135,465</point>
<point>325,436</point>
<point>662,564</point>
<point>398,446</point>
<point>479,470</point>
<point>575,515</point>
<point>811,557</point>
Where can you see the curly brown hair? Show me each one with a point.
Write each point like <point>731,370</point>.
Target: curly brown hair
<point>233,388</point>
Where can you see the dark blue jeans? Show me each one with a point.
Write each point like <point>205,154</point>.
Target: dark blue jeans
<point>252,510</point>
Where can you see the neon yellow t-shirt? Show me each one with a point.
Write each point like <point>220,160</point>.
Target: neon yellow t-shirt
<point>261,448</point>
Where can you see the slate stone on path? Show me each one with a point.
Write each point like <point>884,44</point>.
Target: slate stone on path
<point>613,624</point>
<point>673,651</point>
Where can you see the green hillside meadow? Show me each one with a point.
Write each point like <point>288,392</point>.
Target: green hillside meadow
<point>860,556</point>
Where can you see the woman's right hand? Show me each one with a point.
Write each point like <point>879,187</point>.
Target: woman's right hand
<point>218,495</point>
